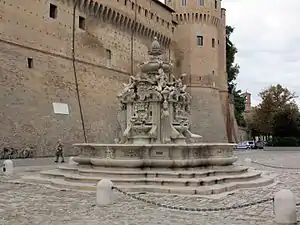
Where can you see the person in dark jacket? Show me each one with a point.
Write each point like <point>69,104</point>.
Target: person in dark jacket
<point>59,152</point>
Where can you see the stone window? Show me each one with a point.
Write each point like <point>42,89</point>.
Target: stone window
<point>108,53</point>
<point>139,9</point>
<point>213,42</point>
<point>216,4</point>
<point>146,12</point>
<point>132,6</point>
<point>200,40</point>
<point>53,11</point>
<point>151,15</point>
<point>30,63</point>
<point>200,2</point>
<point>183,2</point>
<point>81,22</point>
<point>125,2</point>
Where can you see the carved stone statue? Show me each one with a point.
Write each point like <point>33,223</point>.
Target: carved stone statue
<point>155,103</point>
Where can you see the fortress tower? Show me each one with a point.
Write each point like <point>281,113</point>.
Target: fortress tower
<point>248,108</point>
<point>201,49</point>
<point>247,97</point>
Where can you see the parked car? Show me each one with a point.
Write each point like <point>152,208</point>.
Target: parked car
<point>243,145</point>
<point>259,145</point>
<point>252,144</point>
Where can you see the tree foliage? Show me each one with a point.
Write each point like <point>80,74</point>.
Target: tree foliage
<point>277,114</point>
<point>253,124</point>
<point>239,107</point>
<point>233,70</point>
<point>285,122</point>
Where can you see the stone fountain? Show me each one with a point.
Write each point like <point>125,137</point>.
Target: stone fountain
<point>155,107</point>
<point>156,150</point>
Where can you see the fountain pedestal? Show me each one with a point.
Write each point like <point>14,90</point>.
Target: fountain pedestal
<point>156,155</point>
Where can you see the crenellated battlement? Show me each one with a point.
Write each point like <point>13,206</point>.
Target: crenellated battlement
<point>197,17</point>
<point>123,14</point>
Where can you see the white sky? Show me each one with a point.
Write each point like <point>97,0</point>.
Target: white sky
<point>267,37</point>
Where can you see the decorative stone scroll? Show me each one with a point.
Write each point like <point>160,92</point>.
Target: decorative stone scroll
<point>155,104</point>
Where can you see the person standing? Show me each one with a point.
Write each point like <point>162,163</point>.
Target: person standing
<point>59,152</point>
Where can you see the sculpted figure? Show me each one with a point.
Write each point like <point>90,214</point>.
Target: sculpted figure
<point>127,87</point>
<point>179,83</point>
<point>161,80</point>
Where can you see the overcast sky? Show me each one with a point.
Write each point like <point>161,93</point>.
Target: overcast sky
<point>267,36</point>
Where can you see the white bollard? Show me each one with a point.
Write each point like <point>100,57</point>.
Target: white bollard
<point>285,207</point>
<point>104,193</point>
<point>7,167</point>
<point>71,161</point>
<point>248,161</point>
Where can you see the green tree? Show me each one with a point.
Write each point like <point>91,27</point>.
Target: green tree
<point>253,123</point>
<point>286,123</point>
<point>276,108</point>
<point>239,107</point>
<point>233,70</point>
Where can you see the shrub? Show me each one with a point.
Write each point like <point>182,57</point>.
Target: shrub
<point>285,141</point>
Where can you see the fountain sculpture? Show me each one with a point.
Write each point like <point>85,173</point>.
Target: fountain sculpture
<point>156,150</point>
<point>156,104</point>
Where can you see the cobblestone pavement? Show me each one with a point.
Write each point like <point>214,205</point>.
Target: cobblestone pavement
<point>24,204</point>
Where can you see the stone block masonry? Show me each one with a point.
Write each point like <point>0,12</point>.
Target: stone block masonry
<point>207,118</point>
<point>27,95</point>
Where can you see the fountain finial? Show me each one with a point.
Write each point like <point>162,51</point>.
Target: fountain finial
<point>155,48</point>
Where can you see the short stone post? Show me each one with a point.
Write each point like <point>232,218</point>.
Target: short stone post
<point>285,207</point>
<point>104,193</point>
<point>7,167</point>
<point>71,161</point>
<point>248,161</point>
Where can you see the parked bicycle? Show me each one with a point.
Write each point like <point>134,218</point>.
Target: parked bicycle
<point>12,153</point>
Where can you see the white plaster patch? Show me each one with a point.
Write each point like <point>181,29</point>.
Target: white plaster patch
<point>60,108</point>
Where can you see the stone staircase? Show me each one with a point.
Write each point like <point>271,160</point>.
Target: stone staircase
<point>196,181</point>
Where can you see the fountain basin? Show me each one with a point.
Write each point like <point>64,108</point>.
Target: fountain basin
<point>155,155</point>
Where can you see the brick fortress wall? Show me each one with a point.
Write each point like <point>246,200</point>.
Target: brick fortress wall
<point>31,38</point>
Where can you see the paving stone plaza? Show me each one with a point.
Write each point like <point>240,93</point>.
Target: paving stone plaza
<point>30,204</point>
